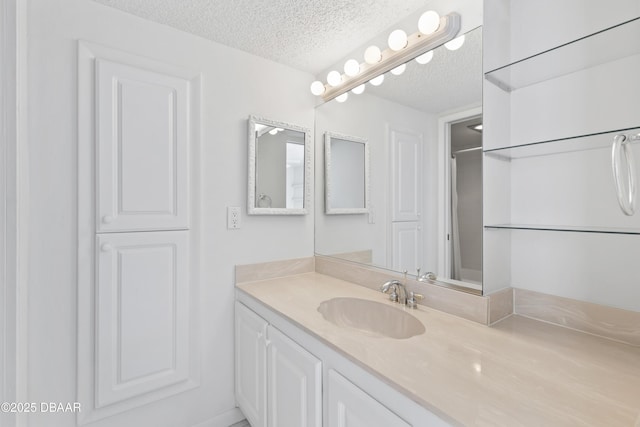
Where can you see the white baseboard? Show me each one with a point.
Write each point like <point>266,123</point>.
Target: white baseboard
<point>225,419</point>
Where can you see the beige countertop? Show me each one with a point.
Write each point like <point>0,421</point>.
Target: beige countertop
<point>520,372</point>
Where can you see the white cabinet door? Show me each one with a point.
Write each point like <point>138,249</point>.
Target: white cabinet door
<point>349,406</point>
<point>251,365</point>
<point>142,149</point>
<point>407,246</point>
<point>295,384</point>
<point>143,313</point>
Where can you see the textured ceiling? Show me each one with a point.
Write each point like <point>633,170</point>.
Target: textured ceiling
<point>314,36</point>
<point>309,35</point>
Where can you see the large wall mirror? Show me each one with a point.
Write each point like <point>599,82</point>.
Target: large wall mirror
<point>346,188</point>
<point>424,131</point>
<point>279,168</point>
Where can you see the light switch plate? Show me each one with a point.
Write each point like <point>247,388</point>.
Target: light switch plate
<point>233,217</point>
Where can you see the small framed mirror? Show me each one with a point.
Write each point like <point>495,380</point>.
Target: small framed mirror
<point>279,168</point>
<point>346,174</point>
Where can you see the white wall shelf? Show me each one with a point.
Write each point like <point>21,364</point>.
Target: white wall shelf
<point>610,44</point>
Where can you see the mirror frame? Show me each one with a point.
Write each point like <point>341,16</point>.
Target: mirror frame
<point>328,136</point>
<point>252,209</point>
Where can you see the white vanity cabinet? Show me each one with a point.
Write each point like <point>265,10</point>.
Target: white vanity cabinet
<point>286,377</point>
<point>278,383</point>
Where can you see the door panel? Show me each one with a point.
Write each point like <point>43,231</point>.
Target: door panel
<point>406,158</point>
<point>142,131</point>
<point>295,384</point>
<point>407,246</point>
<point>251,365</point>
<point>142,328</point>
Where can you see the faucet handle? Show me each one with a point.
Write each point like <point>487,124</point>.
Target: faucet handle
<point>427,276</point>
<point>412,301</point>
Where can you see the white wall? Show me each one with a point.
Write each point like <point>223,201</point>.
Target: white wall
<point>235,84</point>
<point>371,117</point>
<point>13,209</point>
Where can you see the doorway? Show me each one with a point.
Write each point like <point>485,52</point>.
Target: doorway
<point>460,248</point>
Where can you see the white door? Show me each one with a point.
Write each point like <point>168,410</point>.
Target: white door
<point>251,365</point>
<point>138,273</point>
<point>143,317</point>
<point>142,143</point>
<point>295,384</point>
<point>407,246</point>
<point>349,406</point>
<point>406,208</point>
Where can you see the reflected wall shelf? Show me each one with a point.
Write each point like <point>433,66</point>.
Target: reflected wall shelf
<point>565,228</point>
<point>593,141</point>
<point>604,46</point>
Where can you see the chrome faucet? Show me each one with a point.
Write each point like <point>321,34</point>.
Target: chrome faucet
<point>398,291</point>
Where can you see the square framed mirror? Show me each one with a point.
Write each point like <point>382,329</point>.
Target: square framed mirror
<point>279,168</point>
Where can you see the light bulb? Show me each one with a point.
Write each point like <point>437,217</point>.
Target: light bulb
<point>358,89</point>
<point>334,78</point>
<point>429,22</point>
<point>273,131</point>
<point>317,88</point>
<point>455,44</point>
<point>397,40</point>
<point>372,55</point>
<point>377,81</point>
<point>342,97</point>
<point>399,69</point>
<point>425,58</point>
<point>351,67</point>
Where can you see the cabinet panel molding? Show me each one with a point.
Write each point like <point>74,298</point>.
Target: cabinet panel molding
<point>142,316</point>
<point>295,383</point>
<point>142,130</point>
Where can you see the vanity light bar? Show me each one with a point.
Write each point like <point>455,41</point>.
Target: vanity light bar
<point>417,44</point>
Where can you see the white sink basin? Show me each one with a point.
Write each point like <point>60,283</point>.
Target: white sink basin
<point>371,317</point>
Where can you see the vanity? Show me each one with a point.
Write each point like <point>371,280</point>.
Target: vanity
<point>294,367</point>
